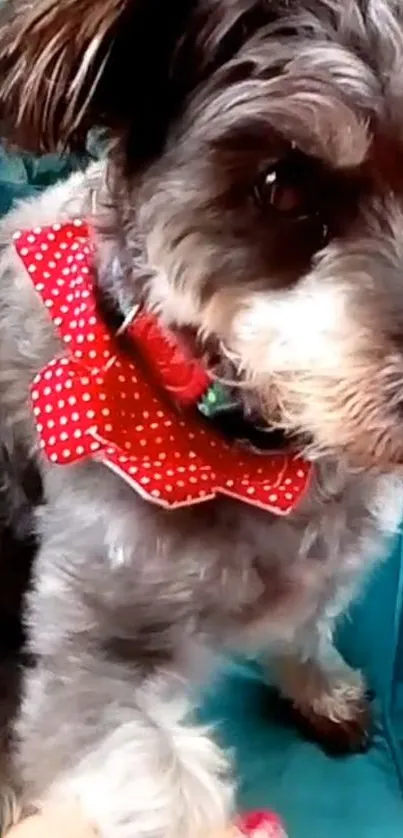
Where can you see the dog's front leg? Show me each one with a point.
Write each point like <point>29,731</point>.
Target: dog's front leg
<point>105,713</point>
<point>329,697</point>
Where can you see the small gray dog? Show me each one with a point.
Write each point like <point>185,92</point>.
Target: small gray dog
<point>253,193</point>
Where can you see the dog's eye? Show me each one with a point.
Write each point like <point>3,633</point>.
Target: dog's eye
<point>289,187</point>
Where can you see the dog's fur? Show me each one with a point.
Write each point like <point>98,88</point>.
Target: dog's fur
<point>128,602</point>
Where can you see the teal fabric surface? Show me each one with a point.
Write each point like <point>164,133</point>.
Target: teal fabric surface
<point>22,175</point>
<point>319,797</point>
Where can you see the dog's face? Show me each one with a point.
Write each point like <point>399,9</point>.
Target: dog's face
<point>260,153</point>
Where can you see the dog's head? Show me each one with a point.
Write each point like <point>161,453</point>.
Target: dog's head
<point>259,150</point>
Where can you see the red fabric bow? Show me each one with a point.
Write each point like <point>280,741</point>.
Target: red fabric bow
<point>93,400</point>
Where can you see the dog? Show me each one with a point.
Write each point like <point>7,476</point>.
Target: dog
<point>251,195</point>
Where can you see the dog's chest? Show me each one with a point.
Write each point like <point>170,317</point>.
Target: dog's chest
<point>271,575</point>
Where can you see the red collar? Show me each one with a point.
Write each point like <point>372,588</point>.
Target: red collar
<point>93,401</point>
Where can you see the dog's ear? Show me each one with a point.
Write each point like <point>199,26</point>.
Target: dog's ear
<point>67,65</point>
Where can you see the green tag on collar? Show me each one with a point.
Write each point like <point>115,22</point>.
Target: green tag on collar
<point>218,399</point>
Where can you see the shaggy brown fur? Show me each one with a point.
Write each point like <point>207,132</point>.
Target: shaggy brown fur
<point>73,59</point>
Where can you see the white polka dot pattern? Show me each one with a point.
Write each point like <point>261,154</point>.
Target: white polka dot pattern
<point>94,401</point>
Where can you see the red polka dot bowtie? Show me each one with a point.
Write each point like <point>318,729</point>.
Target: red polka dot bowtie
<point>94,400</point>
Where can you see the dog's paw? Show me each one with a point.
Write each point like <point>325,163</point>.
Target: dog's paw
<point>338,719</point>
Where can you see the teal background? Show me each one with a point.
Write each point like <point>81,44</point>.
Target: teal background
<point>319,797</point>
<point>22,175</point>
